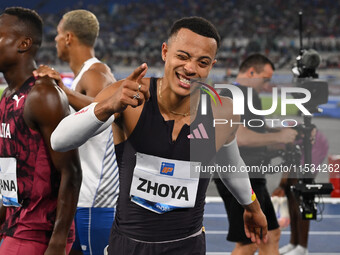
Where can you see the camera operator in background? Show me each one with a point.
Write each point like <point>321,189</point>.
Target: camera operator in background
<point>255,72</point>
<point>299,227</point>
<point>305,72</point>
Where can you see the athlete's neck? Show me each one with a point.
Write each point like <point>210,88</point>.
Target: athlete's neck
<point>245,80</point>
<point>16,76</point>
<point>78,57</point>
<point>176,104</point>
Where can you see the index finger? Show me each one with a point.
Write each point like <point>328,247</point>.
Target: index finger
<point>262,235</point>
<point>258,236</point>
<point>138,73</point>
<point>246,230</point>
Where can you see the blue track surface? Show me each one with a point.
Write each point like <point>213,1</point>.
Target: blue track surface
<point>324,236</point>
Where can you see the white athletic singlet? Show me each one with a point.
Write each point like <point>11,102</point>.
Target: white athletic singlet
<point>100,185</point>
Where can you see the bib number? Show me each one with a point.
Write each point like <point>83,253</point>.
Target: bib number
<point>8,182</point>
<point>161,185</point>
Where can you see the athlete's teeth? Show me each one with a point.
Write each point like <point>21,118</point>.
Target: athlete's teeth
<point>184,80</point>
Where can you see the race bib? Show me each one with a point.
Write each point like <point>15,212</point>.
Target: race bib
<point>8,182</point>
<point>161,185</point>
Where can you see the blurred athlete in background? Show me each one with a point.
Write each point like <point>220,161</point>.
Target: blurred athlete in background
<point>77,34</point>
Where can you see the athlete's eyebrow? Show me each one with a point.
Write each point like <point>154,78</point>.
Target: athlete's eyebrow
<point>182,51</point>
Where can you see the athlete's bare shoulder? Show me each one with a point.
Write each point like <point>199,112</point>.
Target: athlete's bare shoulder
<point>102,69</point>
<point>97,77</point>
<point>45,101</point>
<point>46,88</point>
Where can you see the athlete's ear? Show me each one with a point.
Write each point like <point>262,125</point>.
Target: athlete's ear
<point>164,51</point>
<point>68,38</point>
<point>251,72</point>
<point>25,45</point>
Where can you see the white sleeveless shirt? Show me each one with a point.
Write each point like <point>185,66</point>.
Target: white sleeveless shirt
<point>100,184</point>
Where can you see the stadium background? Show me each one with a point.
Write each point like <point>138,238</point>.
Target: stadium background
<point>131,32</point>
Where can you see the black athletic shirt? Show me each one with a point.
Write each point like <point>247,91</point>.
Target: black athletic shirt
<point>153,136</point>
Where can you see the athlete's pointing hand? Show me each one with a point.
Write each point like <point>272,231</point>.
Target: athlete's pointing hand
<point>118,96</point>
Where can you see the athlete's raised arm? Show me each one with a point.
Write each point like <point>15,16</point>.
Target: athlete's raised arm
<point>77,128</point>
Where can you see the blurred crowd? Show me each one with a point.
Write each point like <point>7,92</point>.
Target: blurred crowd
<point>131,31</point>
